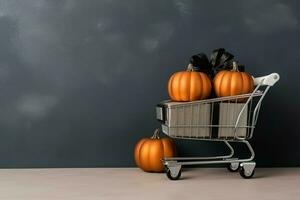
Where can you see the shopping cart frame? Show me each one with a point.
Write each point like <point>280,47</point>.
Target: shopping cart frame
<point>246,166</point>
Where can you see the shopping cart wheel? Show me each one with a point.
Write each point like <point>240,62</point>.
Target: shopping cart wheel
<point>247,169</point>
<point>173,176</point>
<point>233,167</point>
<point>173,170</point>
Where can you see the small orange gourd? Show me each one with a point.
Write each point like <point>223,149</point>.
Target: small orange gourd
<point>230,83</point>
<point>148,152</point>
<point>189,85</point>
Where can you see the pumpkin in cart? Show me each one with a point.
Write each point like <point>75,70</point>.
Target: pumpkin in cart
<point>149,152</point>
<point>189,85</point>
<point>234,82</point>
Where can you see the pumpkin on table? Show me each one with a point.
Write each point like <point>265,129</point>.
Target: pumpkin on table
<point>234,82</point>
<point>189,85</point>
<point>148,152</point>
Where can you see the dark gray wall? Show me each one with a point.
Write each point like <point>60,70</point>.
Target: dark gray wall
<point>79,79</point>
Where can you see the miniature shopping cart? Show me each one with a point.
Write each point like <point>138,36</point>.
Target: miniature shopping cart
<point>225,119</point>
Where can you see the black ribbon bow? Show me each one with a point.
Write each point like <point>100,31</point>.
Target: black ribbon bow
<point>220,59</point>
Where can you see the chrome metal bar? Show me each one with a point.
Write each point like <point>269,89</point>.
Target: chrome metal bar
<point>214,100</point>
<point>241,112</point>
<point>205,162</point>
<point>199,162</point>
<point>256,110</point>
<point>249,118</point>
<point>251,151</point>
<point>218,126</point>
<point>205,139</point>
<point>231,149</point>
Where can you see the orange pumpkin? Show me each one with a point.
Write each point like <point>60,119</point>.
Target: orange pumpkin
<point>189,85</point>
<point>230,83</point>
<point>148,152</point>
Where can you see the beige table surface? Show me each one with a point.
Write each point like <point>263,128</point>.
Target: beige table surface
<point>132,183</point>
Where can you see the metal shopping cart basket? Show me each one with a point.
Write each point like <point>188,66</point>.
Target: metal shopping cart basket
<point>225,119</point>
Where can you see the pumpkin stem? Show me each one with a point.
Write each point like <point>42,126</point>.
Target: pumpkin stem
<point>235,66</point>
<point>156,134</point>
<point>190,67</point>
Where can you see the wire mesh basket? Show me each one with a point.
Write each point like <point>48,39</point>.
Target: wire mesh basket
<point>216,118</point>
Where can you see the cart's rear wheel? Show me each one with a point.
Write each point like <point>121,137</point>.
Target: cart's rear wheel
<point>233,167</point>
<point>173,176</point>
<point>245,174</point>
<point>247,170</point>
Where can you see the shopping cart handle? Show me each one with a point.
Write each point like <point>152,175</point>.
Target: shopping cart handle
<point>270,79</point>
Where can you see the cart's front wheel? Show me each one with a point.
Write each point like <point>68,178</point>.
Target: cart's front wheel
<point>173,176</point>
<point>233,167</point>
<point>247,170</point>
